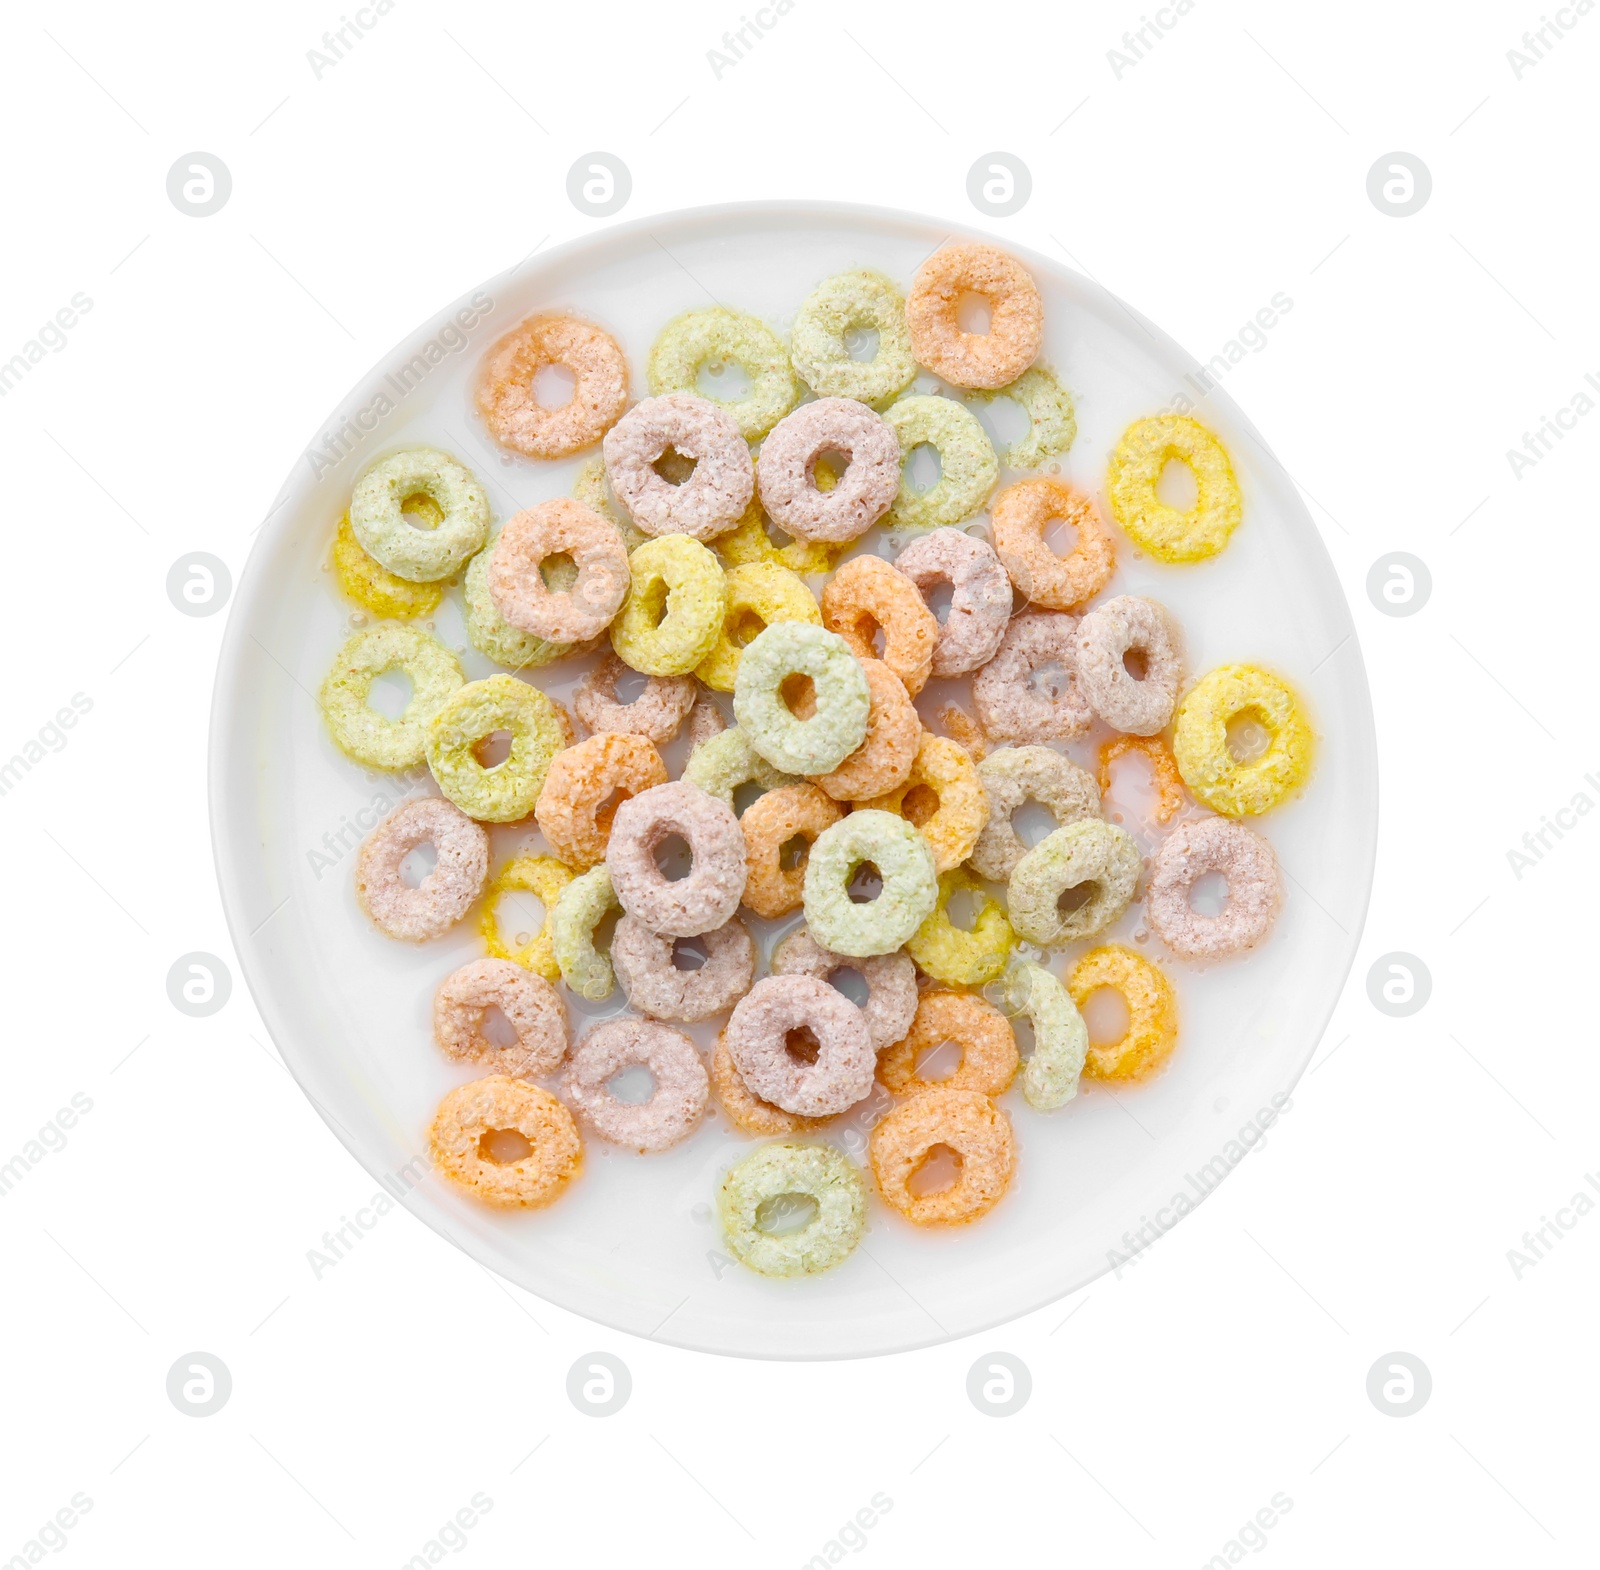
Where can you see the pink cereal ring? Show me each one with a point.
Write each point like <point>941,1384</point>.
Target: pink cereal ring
<point>709,894</point>
<point>1016,316</point>
<point>646,965</point>
<point>890,979</point>
<point>505,396</point>
<point>767,1039</point>
<point>864,493</point>
<point>559,527</point>
<point>1030,691</point>
<point>1130,624</point>
<point>713,499</point>
<point>656,713</point>
<point>677,1103</point>
<point>980,604</point>
<point>1244,860</point>
<point>530,1004</point>
<point>440,900</point>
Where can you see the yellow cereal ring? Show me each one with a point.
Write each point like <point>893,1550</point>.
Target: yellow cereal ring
<point>759,593</point>
<point>961,958</point>
<point>748,542</point>
<point>1147,446</point>
<point>544,877</point>
<point>943,798</point>
<point>372,586</point>
<point>1200,741</point>
<point>673,614</point>
<point>1152,1030</point>
<point>502,792</point>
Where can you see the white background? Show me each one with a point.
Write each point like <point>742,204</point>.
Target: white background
<point>1230,1364</point>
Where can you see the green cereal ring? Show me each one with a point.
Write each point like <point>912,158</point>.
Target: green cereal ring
<point>910,887</point>
<point>672,616</point>
<point>759,593</point>
<point>819,1172</point>
<point>962,958</point>
<point>837,724</point>
<point>359,729</point>
<point>490,633</point>
<point>817,346</point>
<point>593,489</point>
<point>967,464</point>
<point>720,765</point>
<point>579,909</point>
<point>1060,1037</point>
<point>506,791</point>
<point>1089,852</point>
<point>378,519</point>
<point>1052,424</point>
<point>716,333</point>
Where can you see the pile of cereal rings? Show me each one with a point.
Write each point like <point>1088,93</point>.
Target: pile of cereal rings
<point>827,795</point>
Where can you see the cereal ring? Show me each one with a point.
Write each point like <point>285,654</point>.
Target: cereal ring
<point>788,479</point>
<point>592,489</point>
<point>819,1172</point>
<point>910,886</point>
<point>726,763</point>
<point>379,521</point>
<point>989,1059</point>
<point>1152,1030</point>
<point>964,1121</point>
<point>1030,690</point>
<point>773,889</point>
<point>718,490</point>
<point>1016,326</point>
<point>1052,424</point>
<point>759,594</point>
<point>676,1104</point>
<point>373,587</point>
<point>542,876</point>
<point>687,342</point>
<point>747,1111</point>
<point>942,795</point>
<point>673,615</point>
<point>980,596</point>
<point>1200,741</point>
<point>1244,860</point>
<point>358,729</point>
<point>748,541</point>
<point>1020,515</point>
<point>501,792</point>
<point>838,723</point>
<point>1130,624</point>
<point>883,761</point>
<point>461,863</point>
<point>866,596</point>
<point>1163,770</point>
<point>838,1072</point>
<point>890,980</point>
<point>582,609</point>
<point>1089,852</point>
<point>1060,1037</point>
<point>1013,775</point>
<point>578,911</point>
<point>1146,448</point>
<point>491,634</point>
<point>837,306</point>
<point>645,965</point>
<point>469,1118</point>
<point>511,409</point>
<point>529,1003</point>
<point>655,713</point>
<point>705,721</point>
<point>581,778</point>
<point>968,467</point>
<point>708,894</point>
<point>960,956</point>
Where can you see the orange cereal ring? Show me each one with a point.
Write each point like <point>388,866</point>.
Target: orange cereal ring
<point>1020,514</point>
<point>513,413</point>
<point>943,797</point>
<point>1152,1030</point>
<point>573,809</point>
<point>966,1122</point>
<point>745,1109</point>
<point>476,1121</point>
<point>1163,770</point>
<point>769,823</point>
<point>989,1058</point>
<point>894,732</point>
<point>586,606</point>
<point>1016,325</point>
<point>866,596</point>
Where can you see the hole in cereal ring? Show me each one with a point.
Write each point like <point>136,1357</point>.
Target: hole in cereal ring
<point>828,468</point>
<point>1050,680</point>
<point>1136,663</point>
<point>504,1146</point>
<point>421,511</point>
<point>860,343</point>
<point>559,571</point>
<point>1060,536</point>
<point>939,1061</point>
<point>553,386</point>
<point>629,686</point>
<point>785,1213</point>
<point>940,598</point>
<point>496,1029</point>
<point>865,885</point>
<point>633,1085</point>
<point>745,628</point>
<point>961,909</point>
<point>688,954</point>
<point>852,984</point>
<point>1248,738</point>
<point>674,859</point>
<point>1105,1012</point>
<point>674,467</point>
<point>879,638</point>
<point>923,469</point>
<point>1032,822</point>
<point>1176,486</point>
<point>390,694</point>
<point>802,1046</point>
<point>493,749</point>
<point>974,314</point>
<point>417,863</point>
<point>1208,894</point>
<point>793,851</point>
<point>1076,897</point>
<point>799,694</point>
<point>920,804</point>
<point>938,1170</point>
<point>725,380</point>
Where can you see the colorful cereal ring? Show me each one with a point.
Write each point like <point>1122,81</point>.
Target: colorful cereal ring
<point>1016,324</point>
<point>972,1126</point>
<point>544,877</point>
<point>715,334</point>
<point>373,587</point>
<point>491,634</point>
<point>958,956</point>
<point>1020,515</point>
<point>378,517</point>
<point>673,614</point>
<point>510,407</point>
<point>821,1173</point>
<point>989,1059</point>
<point>759,594</point>
<point>1089,852</point>
<point>867,596</point>
<point>498,1104</point>
<point>574,810</point>
<point>358,729</point>
<point>773,889</point>
<point>1169,534</point>
<point>968,467</point>
<point>1052,424</point>
<point>725,763</point>
<point>838,723</point>
<point>579,909</point>
<point>1152,1030</point>
<point>1060,1037</point>
<point>818,344</point>
<point>1200,741</point>
<point>503,792</point>
<point>910,885</point>
<point>942,795</point>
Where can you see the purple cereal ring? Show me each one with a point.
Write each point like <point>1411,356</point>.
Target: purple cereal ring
<point>677,1103</point>
<point>646,965</point>
<point>1030,691</point>
<point>559,527</point>
<point>530,1004</point>
<point>713,499</point>
<point>788,471</point>
<point>980,603</point>
<point>816,1077</point>
<point>655,714</point>
<point>709,894</point>
<point>1130,624</point>
<point>440,900</point>
<point>891,981</point>
<point>1244,860</point>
